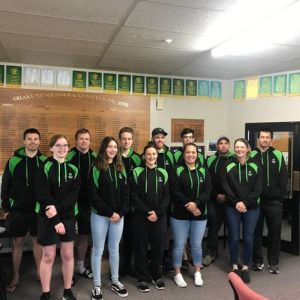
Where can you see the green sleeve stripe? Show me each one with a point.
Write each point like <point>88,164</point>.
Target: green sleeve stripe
<point>177,155</point>
<point>13,163</point>
<point>137,172</point>
<point>203,172</point>
<point>230,166</point>
<point>136,159</point>
<point>76,209</point>
<point>96,175</point>
<point>71,154</point>
<point>42,158</point>
<point>253,153</point>
<point>201,158</point>
<point>253,166</point>
<point>37,207</point>
<point>179,170</point>
<point>211,159</point>
<point>279,157</point>
<point>75,169</point>
<point>171,157</point>
<point>165,174</point>
<point>47,167</point>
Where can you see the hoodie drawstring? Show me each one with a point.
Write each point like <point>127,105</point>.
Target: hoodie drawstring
<point>26,170</point>
<point>240,173</point>
<point>146,182</point>
<point>192,184</point>
<point>115,175</point>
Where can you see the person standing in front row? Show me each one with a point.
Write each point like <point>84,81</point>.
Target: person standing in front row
<point>274,188</point>
<point>150,193</point>
<point>57,188</point>
<point>216,205</point>
<point>190,189</point>
<point>18,200</point>
<point>109,202</point>
<point>242,185</point>
<point>83,158</point>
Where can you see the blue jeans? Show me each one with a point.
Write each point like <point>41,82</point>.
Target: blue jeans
<point>182,230</point>
<point>101,226</point>
<point>234,219</point>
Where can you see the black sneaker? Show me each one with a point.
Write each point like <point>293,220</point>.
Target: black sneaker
<point>68,295</point>
<point>245,276</point>
<point>45,296</point>
<point>159,284</point>
<point>143,287</point>
<point>119,289</point>
<point>237,272</point>
<point>258,267</point>
<point>97,293</point>
<point>274,269</point>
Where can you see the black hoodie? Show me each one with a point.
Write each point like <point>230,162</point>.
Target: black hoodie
<point>165,159</point>
<point>189,186</point>
<point>150,190</point>
<point>242,183</point>
<point>84,163</point>
<point>274,172</point>
<point>18,181</point>
<point>108,191</point>
<point>57,184</point>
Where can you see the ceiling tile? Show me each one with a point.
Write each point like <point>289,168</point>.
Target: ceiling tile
<point>53,27</point>
<point>104,11</point>
<point>30,42</point>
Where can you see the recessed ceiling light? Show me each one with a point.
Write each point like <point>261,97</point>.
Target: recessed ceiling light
<point>168,41</point>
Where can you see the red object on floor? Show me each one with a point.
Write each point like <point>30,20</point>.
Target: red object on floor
<point>241,290</point>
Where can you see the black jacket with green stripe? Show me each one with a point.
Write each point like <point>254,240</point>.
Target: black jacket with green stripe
<point>189,186</point>
<point>57,184</point>
<point>178,157</point>
<point>84,163</point>
<point>242,183</point>
<point>215,164</point>
<point>165,159</point>
<point>150,190</point>
<point>18,181</point>
<point>131,161</point>
<point>274,173</point>
<point>108,191</point>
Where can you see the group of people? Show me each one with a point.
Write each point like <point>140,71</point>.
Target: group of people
<point>118,194</point>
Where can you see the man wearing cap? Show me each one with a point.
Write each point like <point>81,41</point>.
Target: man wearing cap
<point>216,213</point>
<point>165,157</point>
<point>187,136</point>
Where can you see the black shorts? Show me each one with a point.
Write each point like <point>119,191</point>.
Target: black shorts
<point>18,223</point>
<point>47,234</point>
<point>84,221</point>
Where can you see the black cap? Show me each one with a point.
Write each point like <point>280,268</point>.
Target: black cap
<point>158,130</point>
<point>223,137</point>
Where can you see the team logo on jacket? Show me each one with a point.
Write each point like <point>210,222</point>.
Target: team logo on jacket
<point>70,176</point>
<point>273,161</point>
<point>167,163</point>
<point>160,179</point>
<point>249,173</point>
<point>120,175</point>
<point>201,179</point>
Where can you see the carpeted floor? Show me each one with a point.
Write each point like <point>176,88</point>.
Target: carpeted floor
<point>284,286</point>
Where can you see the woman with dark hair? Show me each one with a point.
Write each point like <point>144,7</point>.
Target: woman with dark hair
<point>150,194</point>
<point>190,189</point>
<point>242,183</point>
<point>57,186</point>
<point>109,202</point>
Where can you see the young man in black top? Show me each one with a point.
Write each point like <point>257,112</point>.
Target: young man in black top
<point>18,199</point>
<point>216,212</point>
<point>274,188</point>
<point>83,158</point>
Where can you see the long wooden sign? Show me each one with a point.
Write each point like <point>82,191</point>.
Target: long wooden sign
<point>64,112</point>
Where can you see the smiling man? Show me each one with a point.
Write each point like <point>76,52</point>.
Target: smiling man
<point>18,199</point>
<point>274,188</point>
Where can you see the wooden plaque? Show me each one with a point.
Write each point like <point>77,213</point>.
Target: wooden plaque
<point>177,125</point>
<point>64,112</point>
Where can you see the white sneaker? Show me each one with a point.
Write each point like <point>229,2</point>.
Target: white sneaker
<point>198,279</point>
<point>180,282</point>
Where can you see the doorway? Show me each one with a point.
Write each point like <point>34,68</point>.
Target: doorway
<point>286,139</point>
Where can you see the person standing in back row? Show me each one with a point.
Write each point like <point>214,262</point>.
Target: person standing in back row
<point>83,158</point>
<point>274,188</point>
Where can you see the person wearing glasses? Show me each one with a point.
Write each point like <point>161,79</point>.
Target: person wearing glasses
<point>109,202</point>
<point>18,200</point>
<point>57,188</point>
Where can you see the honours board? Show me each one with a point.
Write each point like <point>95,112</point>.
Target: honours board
<point>63,112</point>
